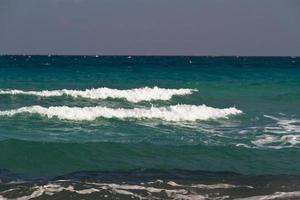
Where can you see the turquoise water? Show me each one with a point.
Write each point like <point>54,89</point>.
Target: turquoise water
<point>260,134</point>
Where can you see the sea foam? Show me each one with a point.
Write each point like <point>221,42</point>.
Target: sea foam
<point>172,113</point>
<point>133,95</point>
<point>277,141</point>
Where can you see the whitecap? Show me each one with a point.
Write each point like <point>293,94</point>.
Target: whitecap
<point>133,95</point>
<point>171,113</point>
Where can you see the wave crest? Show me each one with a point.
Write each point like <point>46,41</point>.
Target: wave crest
<point>133,95</point>
<point>172,113</point>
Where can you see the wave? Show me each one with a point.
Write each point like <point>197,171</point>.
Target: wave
<point>172,113</point>
<point>133,95</point>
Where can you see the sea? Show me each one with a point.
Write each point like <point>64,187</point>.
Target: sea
<point>149,127</point>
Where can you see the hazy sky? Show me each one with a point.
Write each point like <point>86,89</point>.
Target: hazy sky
<point>150,27</point>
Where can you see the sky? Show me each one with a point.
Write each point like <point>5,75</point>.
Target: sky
<point>150,27</point>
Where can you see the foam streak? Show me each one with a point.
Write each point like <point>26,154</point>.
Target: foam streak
<point>171,113</point>
<point>133,95</point>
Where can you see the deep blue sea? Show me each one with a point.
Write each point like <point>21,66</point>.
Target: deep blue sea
<point>128,127</point>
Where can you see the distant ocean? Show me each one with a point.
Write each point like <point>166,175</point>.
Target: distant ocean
<point>105,127</point>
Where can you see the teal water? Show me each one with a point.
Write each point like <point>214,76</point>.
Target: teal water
<point>263,139</point>
<point>90,127</point>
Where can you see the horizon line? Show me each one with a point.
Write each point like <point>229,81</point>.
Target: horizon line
<point>146,55</point>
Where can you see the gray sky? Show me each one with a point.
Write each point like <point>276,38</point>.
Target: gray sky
<point>150,27</point>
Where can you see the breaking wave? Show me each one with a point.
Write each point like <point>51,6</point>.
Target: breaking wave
<point>172,113</point>
<point>133,95</point>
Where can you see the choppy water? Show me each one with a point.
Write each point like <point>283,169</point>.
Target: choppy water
<point>117,115</point>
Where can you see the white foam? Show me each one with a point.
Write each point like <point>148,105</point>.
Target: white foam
<point>51,189</point>
<point>283,125</point>
<point>220,186</point>
<point>128,191</point>
<point>277,141</point>
<point>210,187</point>
<point>276,195</point>
<point>283,134</point>
<point>172,113</point>
<point>133,95</point>
<point>171,193</point>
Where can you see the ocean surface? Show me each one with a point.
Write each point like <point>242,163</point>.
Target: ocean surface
<point>105,127</point>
